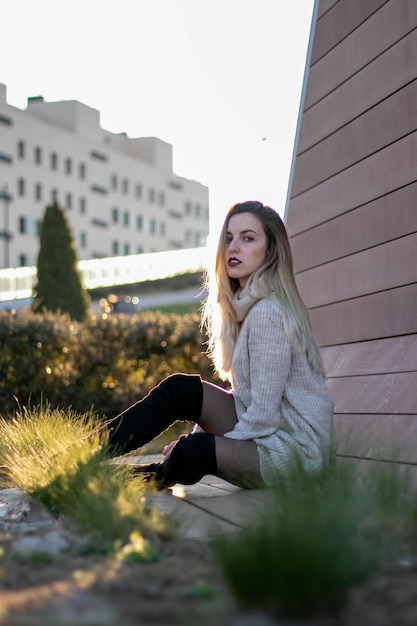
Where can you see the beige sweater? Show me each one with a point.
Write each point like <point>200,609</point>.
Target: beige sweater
<point>280,402</point>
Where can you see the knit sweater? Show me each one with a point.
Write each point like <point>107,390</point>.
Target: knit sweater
<point>280,402</point>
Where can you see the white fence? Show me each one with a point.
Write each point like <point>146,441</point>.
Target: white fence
<point>18,283</point>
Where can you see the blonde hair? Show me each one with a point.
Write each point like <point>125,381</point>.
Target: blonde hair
<point>273,280</point>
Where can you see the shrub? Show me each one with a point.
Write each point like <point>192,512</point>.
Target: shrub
<point>103,363</point>
<point>37,356</point>
<point>59,286</point>
<point>122,357</point>
<point>319,536</point>
<point>55,456</point>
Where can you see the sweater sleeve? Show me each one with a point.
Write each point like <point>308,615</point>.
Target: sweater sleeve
<point>269,353</point>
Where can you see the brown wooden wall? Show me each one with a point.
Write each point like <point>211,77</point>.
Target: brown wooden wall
<point>352,218</point>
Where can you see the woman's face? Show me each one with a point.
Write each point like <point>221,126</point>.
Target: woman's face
<point>246,246</point>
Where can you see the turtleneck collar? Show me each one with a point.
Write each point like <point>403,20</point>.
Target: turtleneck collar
<point>243,300</point>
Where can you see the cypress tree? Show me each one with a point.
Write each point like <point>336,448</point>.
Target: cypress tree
<point>59,286</point>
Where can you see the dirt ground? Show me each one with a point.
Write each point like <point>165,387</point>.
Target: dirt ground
<point>185,587</point>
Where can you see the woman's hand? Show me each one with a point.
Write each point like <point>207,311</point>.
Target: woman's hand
<point>168,449</point>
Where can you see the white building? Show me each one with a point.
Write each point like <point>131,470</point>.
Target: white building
<point>120,194</point>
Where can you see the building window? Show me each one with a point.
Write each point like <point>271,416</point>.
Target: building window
<point>83,239</point>
<point>151,195</point>
<point>115,248</point>
<point>82,205</point>
<point>174,185</point>
<point>21,187</point>
<point>38,192</point>
<point>81,171</point>
<point>188,237</point>
<point>54,161</point>
<point>161,198</point>
<point>99,189</point>
<point>113,182</point>
<point>139,222</point>
<point>23,260</point>
<point>188,208</point>
<point>126,218</point>
<point>197,210</point>
<point>68,166</point>
<point>6,120</point>
<point>152,227</point>
<point>115,215</point>
<point>38,155</point>
<point>138,191</point>
<point>162,229</point>
<point>54,195</point>
<point>99,156</point>
<point>125,186</point>
<point>23,225</point>
<point>68,200</point>
<point>100,223</point>
<point>139,250</point>
<point>21,149</point>
<point>6,158</point>
<point>126,249</point>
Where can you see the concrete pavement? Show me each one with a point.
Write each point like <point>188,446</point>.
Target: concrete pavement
<point>210,507</point>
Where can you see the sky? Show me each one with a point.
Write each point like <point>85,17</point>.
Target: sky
<point>220,80</point>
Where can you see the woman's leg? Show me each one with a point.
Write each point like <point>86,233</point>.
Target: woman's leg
<point>237,460</point>
<point>198,454</point>
<point>218,413</point>
<point>177,397</point>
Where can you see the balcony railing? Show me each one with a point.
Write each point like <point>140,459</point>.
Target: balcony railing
<point>18,283</point>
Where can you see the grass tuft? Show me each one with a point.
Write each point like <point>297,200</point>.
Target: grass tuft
<point>61,460</point>
<point>321,535</point>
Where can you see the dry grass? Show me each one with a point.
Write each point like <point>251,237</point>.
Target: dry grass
<point>60,458</point>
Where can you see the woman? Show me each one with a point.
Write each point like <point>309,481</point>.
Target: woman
<point>260,340</point>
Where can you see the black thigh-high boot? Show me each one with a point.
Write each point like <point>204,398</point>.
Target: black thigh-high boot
<point>178,397</point>
<point>192,457</point>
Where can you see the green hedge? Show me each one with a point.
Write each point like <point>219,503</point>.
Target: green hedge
<point>104,363</point>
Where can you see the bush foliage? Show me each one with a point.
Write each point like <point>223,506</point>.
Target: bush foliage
<point>60,458</point>
<point>59,286</point>
<point>103,364</point>
<point>320,535</point>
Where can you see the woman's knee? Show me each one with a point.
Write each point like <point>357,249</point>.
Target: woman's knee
<point>238,462</point>
<point>184,392</point>
<point>218,415</point>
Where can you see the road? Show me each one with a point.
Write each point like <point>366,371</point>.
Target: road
<point>132,304</point>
